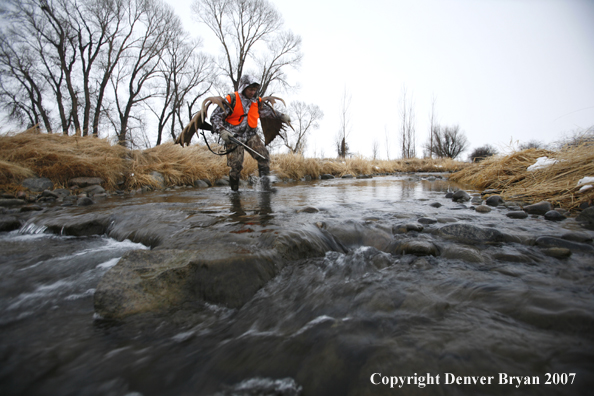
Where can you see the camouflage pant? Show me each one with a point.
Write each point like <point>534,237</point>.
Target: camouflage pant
<point>235,158</point>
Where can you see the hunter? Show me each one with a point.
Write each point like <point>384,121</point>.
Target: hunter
<point>242,123</point>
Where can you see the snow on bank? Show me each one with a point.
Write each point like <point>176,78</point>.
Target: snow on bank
<point>584,183</point>
<point>542,162</point>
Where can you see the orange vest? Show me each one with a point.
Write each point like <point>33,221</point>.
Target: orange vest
<point>237,116</point>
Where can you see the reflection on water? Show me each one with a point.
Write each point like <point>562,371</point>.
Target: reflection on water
<point>323,326</point>
<point>261,210</point>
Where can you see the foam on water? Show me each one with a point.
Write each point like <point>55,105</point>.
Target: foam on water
<point>40,295</point>
<point>108,264</point>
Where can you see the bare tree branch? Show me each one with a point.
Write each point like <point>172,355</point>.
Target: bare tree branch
<point>245,28</point>
<point>305,118</point>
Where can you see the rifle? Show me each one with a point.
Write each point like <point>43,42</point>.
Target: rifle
<point>235,141</point>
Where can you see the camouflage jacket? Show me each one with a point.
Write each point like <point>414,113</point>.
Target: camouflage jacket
<point>243,130</point>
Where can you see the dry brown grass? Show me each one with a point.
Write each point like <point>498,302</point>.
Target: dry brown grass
<point>178,165</point>
<point>556,183</point>
<point>10,172</point>
<point>61,158</point>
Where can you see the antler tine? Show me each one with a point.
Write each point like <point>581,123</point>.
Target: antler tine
<point>219,101</point>
<point>273,99</point>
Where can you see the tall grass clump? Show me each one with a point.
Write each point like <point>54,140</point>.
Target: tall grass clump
<point>557,183</point>
<point>178,165</point>
<point>60,158</point>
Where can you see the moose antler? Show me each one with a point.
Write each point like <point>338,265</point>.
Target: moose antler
<point>218,100</point>
<point>188,132</point>
<point>272,127</point>
<point>198,121</point>
<point>272,100</point>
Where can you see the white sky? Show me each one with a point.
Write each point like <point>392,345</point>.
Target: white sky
<point>504,70</point>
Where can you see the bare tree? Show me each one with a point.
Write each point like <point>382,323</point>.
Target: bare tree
<point>70,65</point>
<point>432,125</point>
<point>532,144</point>
<point>375,149</point>
<point>575,138</point>
<point>157,27</point>
<point>38,53</point>
<point>481,153</point>
<point>72,49</point>
<point>407,129</point>
<point>21,87</point>
<point>448,142</point>
<point>305,118</point>
<point>342,147</point>
<point>184,73</point>
<point>283,52</point>
<point>245,28</point>
<point>387,142</point>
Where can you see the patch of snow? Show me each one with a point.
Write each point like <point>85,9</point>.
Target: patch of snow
<point>586,180</point>
<point>542,162</point>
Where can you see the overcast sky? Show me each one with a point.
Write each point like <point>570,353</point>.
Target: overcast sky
<point>503,70</point>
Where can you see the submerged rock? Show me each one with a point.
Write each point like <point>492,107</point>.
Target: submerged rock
<point>553,215</point>
<point>482,209</point>
<point>403,228</point>
<point>308,209</point>
<point>93,190</point>
<point>200,184</point>
<point>511,255</point>
<point>577,236</point>
<point>468,233</point>
<point>9,223</point>
<point>547,241</point>
<point>447,220</point>
<point>557,252</point>
<point>460,196</point>
<point>85,181</point>
<point>586,217</point>
<point>84,201</point>
<point>538,208</point>
<point>494,200</point>
<point>517,214</point>
<point>415,247</point>
<point>31,208</point>
<point>476,200</point>
<point>8,203</point>
<point>38,184</point>
<point>152,280</point>
<point>464,253</point>
<point>421,263</point>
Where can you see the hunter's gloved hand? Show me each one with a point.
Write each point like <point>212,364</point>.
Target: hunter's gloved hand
<point>225,135</point>
<point>286,119</point>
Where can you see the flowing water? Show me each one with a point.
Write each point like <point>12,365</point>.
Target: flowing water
<point>337,324</point>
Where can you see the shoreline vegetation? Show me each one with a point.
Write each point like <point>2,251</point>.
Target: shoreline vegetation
<point>558,182</point>
<point>61,158</point>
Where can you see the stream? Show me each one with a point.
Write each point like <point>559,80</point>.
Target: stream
<point>355,320</point>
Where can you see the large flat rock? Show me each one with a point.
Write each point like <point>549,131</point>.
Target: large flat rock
<point>152,280</point>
